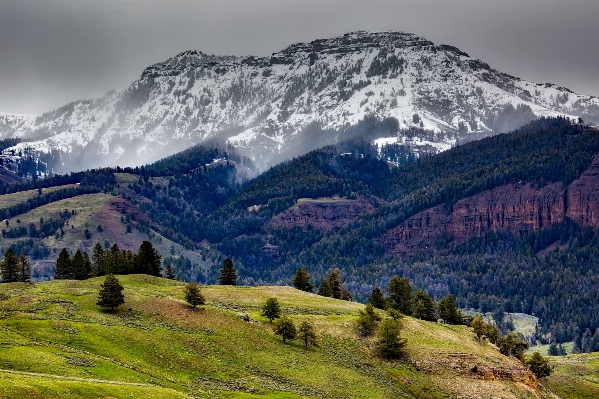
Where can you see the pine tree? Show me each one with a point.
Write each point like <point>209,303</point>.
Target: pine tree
<point>228,275</point>
<point>88,266</point>
<point>78,266</point>
<point>390,345</point>
<point>271,309</point>
<point>368,321</point>
<point>24,269</point>
<point>539,365</point>
<point>400,295</point>
<point>325,289</point>
<point>301,280</point>
<point>335,283</point>
<point>125,262</point>
<point>10,267</point>
<point>193,295</point>
<point>285,328</point>
<point>111,294</point>
<point>553,350</point>
<point>98,261</point>
<point>478,324</point>
<point>112,257</point>
<point>377,299</point>
<point>148,260</point>
<point>169,271</point>
<point>64,268</point>
<point>424,306</point>
<point>448,310</point>
<point>307,334</point>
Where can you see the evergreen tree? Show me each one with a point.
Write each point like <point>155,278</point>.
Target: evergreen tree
<point>64,269</point>
<point>448,310</point>
<point>553,350</point>
<point>10,267</point>
<point>112,258</point>
<point>301,280</point>
<point>88,265</point>
<point>148,260</point>
<point>78,266</point>
<point>424,306</point>
<point>307,334</point>
<point>325,288</point>
<point>390,345</point>
<point>285,328</point>
<point>400,295</point>
<point>125,262</point>
<point>228,275</point>
<point>193,294</point>
<point>478,324</point>
<point>169,272</point>
<point>539,365</point>
<point>512,345</point>
<point>111,294</point>
<point>24,269</point>
<point>335,283</point>
<point>377,299</point>
<point>98,261</point>
<point>561,351</point>
<point>271,309</point>
<point>368,321</point>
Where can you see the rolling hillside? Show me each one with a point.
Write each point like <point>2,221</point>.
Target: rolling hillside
<point>56,342</point>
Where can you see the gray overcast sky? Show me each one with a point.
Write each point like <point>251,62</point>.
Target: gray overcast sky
<point>53,52</point>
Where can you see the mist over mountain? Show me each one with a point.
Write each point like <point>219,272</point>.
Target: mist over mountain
<point>303,97</point>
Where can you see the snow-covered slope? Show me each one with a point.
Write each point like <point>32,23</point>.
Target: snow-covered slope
<point>259,104</point>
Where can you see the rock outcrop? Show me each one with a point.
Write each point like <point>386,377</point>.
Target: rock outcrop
<point>324,214</point>
<point>518,209</point>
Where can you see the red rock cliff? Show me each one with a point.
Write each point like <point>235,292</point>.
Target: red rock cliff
<point>509,208</point>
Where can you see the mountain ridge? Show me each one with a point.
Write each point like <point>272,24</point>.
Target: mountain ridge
<point>260,105</point>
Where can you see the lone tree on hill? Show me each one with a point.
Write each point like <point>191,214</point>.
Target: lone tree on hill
<point>539,365</point>
<point>271,309</point>
<point>228,275</point>
<point>390,345</point>
<point>307,334</point>
<point>24,269</point>
<point>285,328</point>
<point>400,295</point>
<point>10,267</point>
<point>111,294</point>
<point>301,280</point>
<point>377,299</point>
<point>169,272</point>
<point>64,269</point>
<point>193,295</point>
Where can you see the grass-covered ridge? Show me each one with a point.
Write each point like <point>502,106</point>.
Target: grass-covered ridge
<point>55,342</point>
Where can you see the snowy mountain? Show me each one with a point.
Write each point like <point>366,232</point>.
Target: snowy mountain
<point>262,105</point>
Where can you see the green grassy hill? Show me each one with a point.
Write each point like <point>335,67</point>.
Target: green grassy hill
<point>55,342</point>
<point>89,211</point>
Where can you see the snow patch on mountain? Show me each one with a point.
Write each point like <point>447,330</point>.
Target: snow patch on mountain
<point>260,104</point>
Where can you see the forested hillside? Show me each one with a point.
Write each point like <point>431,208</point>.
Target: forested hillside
<point>505,223</point>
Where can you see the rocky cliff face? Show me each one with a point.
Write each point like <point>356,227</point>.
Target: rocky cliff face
<point>510,208</point>
<point>324,214</point>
